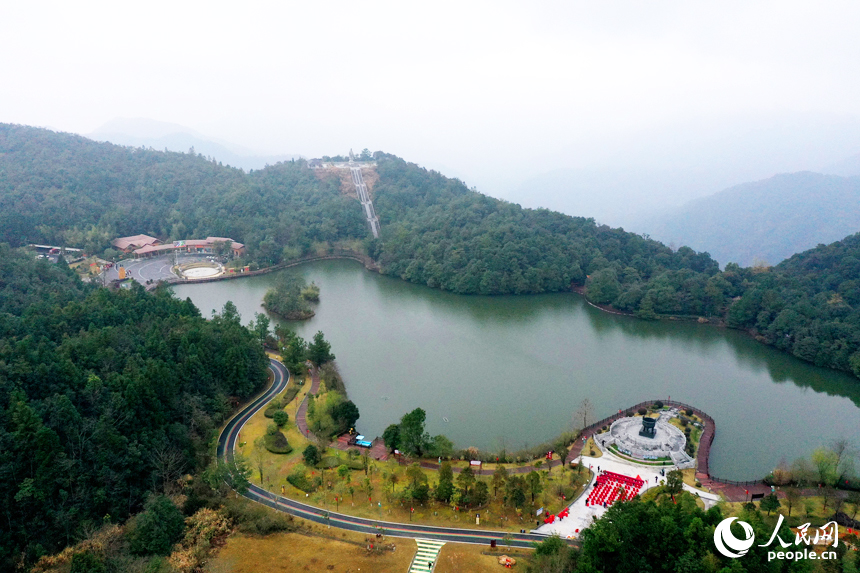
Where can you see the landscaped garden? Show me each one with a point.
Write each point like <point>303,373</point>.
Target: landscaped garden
<point>399,489</point>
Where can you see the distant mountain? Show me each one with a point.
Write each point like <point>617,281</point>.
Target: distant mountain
<point>765,221</point>
<point>615,196</point>
<point>664,167</point>
<point>159,135</point>
<point>848,167</point>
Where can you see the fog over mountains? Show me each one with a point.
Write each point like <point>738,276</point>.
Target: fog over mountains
<point>630,181</point>
<point>765,221</point>
<point>141,132</point>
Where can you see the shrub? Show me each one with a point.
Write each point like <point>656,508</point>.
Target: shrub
<point>87,562</point>
<point>258,519</point>
<point>291,393</point>
<point>281,418</point>
<point>689,411</point>
<point>684,421</point>
<point>156,529</point>
<point>311,455</point>
<point>628,413</point>
<point>274,406</point>
<point>658,405</point>
<point>642,411</point>
<point>277,443</point>
<point>299,480</point>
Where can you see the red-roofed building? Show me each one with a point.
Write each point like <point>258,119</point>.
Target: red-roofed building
<point>128,244</point>
<point>188,246</point>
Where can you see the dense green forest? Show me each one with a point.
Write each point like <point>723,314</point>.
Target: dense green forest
<point>105,396</point>
<point>434,231</point>
<point>437,232</point>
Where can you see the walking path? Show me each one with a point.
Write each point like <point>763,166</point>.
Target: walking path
<point>302,415</point>
<point>425,557</point>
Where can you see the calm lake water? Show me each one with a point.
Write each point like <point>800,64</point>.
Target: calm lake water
<point>510,371</point>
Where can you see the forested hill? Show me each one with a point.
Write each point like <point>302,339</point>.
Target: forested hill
<point>65,189</point>
<point>104,397</point>
<point>437,232</point>
<point>808,305</point>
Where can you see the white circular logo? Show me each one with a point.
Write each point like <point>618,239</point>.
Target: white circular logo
<point>728,544</point>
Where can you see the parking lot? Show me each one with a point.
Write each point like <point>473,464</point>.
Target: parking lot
<point>155,269</point>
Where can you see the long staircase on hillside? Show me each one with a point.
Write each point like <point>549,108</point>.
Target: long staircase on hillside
<point>363,196</point>
<point>428,551</point>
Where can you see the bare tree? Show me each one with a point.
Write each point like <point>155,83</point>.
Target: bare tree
<point>583,414</point>
<point>853,500</point>
<point>258,456</point>
<point>845,455</point>
<point>792,497</point>
<point>169,465</point>
<point>827,493</point>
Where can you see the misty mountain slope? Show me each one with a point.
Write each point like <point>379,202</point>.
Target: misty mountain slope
<point>173,137</point>
<point>848,167</point>
<point>614,196</point>
<point>765,220</point>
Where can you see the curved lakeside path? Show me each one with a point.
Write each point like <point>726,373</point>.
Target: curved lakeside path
<point>229,437</point>
<point>302,414</point>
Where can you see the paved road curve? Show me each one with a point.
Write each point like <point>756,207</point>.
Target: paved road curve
<point>227,443</point>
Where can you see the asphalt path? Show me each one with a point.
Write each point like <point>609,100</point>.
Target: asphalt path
<point>226,447</point>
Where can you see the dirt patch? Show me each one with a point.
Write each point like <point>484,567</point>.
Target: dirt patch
<point>289,552</point>
<point>347,187</point>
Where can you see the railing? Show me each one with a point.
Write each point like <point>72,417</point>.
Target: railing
<point>334,254</point>
<point>705,441</point>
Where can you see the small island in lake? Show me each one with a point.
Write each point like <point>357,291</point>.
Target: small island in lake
<point>290,297</point>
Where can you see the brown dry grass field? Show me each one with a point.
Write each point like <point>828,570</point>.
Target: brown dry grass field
<point>295,552</point>
<point>459,557</point>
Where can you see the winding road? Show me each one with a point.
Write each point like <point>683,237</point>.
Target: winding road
<point>226,447</point>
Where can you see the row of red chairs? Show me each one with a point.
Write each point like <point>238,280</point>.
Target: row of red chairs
<point>550,518</point>
<point>621,479</point>
<point>611,487</point>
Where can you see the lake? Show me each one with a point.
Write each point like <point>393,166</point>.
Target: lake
<point>510,371</point>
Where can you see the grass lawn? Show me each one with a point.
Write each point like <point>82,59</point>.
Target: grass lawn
<point>657,463</point>
<point>288,552</point>
<point>807,510</point>
<point>590,447</point>
<point>458,557</point>
<point>352,492</point>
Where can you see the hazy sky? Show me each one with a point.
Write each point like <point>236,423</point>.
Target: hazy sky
<point>468,87</point>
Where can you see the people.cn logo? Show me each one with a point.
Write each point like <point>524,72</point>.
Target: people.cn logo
<point>728,544</point>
